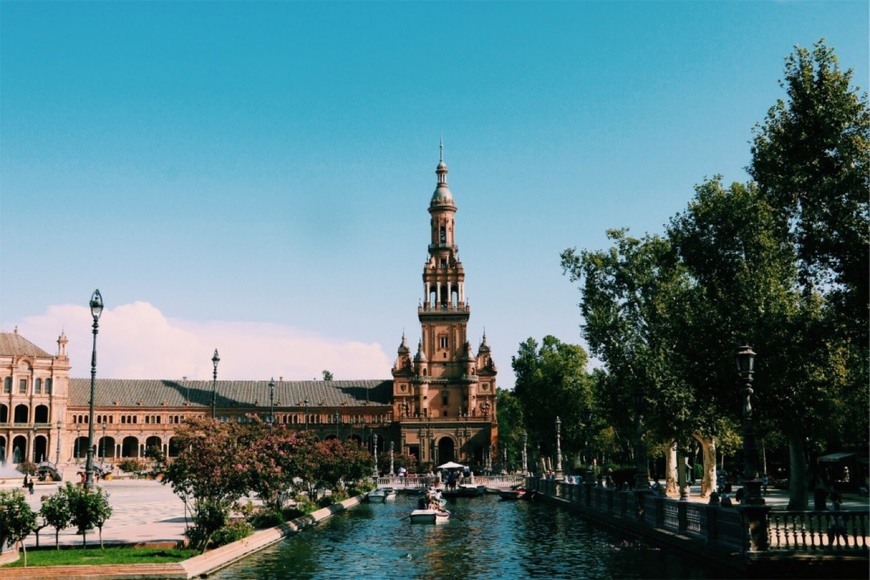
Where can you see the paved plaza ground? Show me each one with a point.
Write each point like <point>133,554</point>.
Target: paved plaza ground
<point>148,511</point>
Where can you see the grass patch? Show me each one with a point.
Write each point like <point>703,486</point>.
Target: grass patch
<point>95,556</point>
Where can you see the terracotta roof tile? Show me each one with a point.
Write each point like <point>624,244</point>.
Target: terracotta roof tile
<point>158,393</point>
<point>12,344</point>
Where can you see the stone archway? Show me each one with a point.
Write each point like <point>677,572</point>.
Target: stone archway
<point>446,450</point>
<point>40,448</point>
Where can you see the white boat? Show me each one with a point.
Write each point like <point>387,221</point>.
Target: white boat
<point>430,516</point>
<point>381,495</point>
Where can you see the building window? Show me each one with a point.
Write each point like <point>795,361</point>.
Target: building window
<point>48,386</point>
<point>442,340</point>
<point>7,385</point>
<point>443,235</point>
<point>444,399</point>
<point>37,387</point>
<point>22,386</point>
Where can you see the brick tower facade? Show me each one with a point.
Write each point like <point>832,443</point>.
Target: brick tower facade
<point>444,397</point>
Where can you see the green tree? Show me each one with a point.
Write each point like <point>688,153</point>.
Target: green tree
<point>209,474</point>
<point>274,458</point>
<point>551,381</point>
<point>17,519</point>
<point>511,426</point>
<point>56,512</point>
<point>88,509</point>
<point>327,375</point>
<point>339,461</point>
<point>747,291</point>
<point>810,159</point>
<point>632,296</point>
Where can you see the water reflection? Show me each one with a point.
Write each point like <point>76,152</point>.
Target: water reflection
<point>485,538</point>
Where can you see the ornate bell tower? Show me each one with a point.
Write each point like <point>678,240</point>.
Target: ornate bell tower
<point>445,397</point>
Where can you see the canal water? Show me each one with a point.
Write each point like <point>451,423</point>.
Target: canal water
<point>486,537</point>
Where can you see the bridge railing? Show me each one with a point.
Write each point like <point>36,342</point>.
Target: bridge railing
<point>730,528</point>
<point>424,481</point>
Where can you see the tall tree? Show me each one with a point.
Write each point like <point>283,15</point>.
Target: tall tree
<point>551,381</point>
<point>632,294</point>
<point>811,158</point>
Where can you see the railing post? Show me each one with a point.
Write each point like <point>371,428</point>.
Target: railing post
<point>712,510</point>
<point>682,518</point>
<point>754,520</point>
<point>660,512</point>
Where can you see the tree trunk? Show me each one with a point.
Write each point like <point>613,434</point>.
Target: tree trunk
<point>708,451</point>
<point>797,477</point>
<point>57,538</point>
<point>671,471</point>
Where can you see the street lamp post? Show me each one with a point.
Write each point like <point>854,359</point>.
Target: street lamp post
<point>525,453</point>
<point>96,305</point>
<point>57,456</point>
<point>392,471</point>
<point>753,509</point>
<point>375,443</point>
<point>214,361</point>
<point>559,476</point>
<point>305,406</point>
<point>641,477</point>
<point>745,369</point>
<point>78,437</point>
<point>271,402</point>
<point>336,418</point>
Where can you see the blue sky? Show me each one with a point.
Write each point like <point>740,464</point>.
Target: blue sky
<point>255,176</point>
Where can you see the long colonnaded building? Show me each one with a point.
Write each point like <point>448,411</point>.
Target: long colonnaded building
<point>440,405</point>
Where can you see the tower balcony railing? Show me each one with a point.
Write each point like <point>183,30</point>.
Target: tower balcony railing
<point>437,308</point>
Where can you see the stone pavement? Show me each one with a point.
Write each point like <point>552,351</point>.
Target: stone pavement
<point>142,511</point>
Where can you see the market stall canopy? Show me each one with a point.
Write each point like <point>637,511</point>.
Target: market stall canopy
<point>451,465</point>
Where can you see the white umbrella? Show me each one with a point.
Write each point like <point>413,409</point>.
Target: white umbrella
<point>451,465</point>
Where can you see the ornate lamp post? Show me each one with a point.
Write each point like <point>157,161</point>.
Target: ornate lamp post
<point>392,471</point>
<point>641,479</point>
<point>96,305</point>
<point>559,476</point>
<point>745,369</point>
<point>525,453</point>
<point>336,419</point>
<point>375,468</point>
<point>271,402</point>
<point>57,456</point>
<point>214,361</point>
<point>78,437</point>
<point>305,407</point>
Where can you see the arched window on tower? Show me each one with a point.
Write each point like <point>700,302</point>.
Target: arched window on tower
<point>443,234</point>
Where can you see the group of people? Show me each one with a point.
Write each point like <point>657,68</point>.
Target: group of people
<point>28,483</point>
<point>432,500</point>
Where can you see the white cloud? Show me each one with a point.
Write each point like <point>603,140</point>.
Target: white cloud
<point>136,341</point>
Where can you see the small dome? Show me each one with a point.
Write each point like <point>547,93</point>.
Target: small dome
<point>484,345</point>
<point>420,356</point>
<point>403,348</point>
<point>442,195</point>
